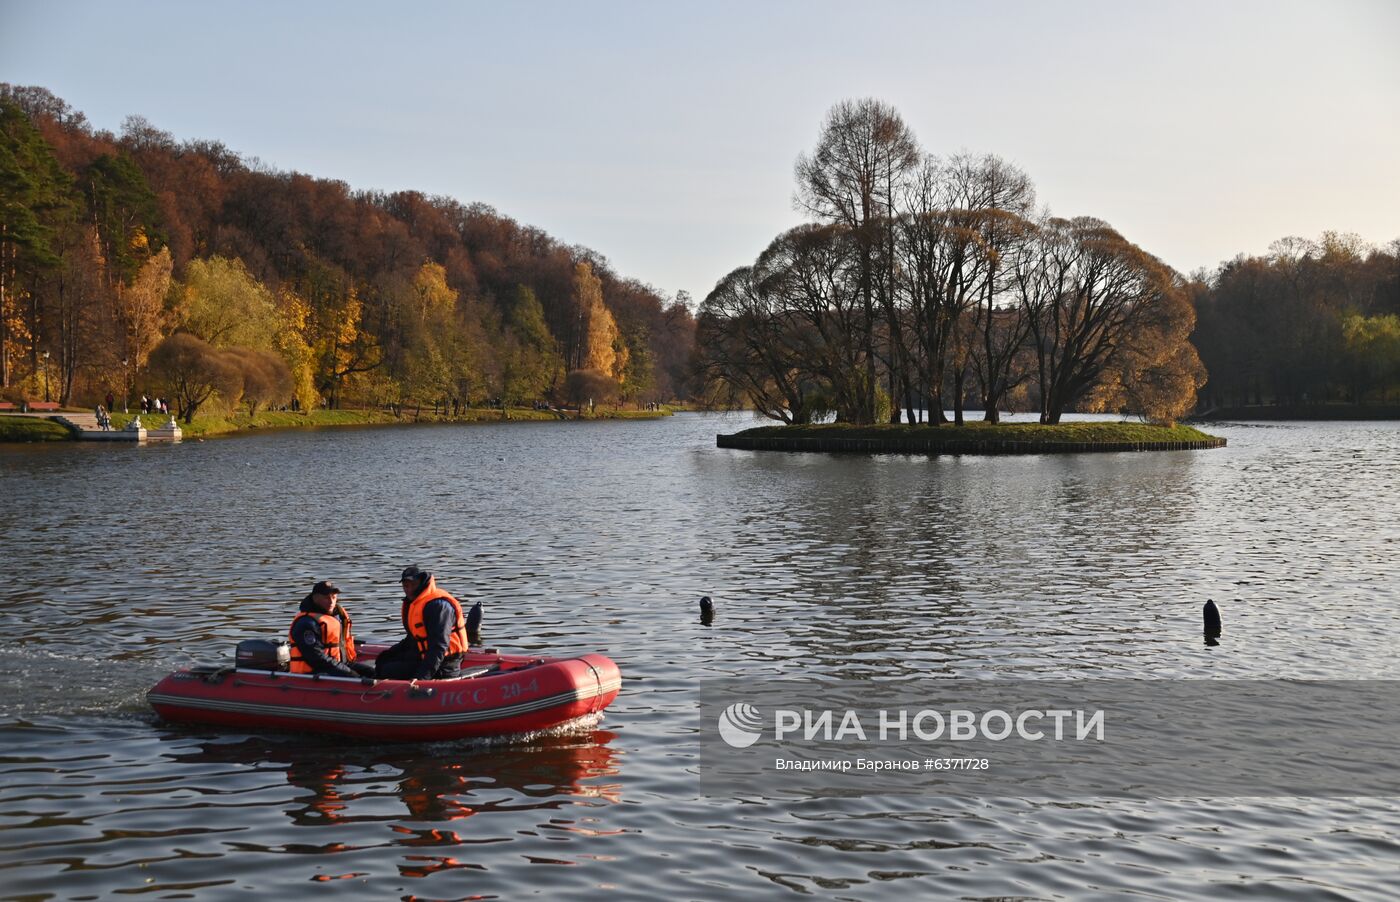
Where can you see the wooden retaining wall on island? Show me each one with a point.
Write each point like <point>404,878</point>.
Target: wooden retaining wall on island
<point>945,446</point>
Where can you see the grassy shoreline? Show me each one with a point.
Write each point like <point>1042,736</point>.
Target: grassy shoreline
<point>205,427</point>
<point>972,439</point>
<point>1085,433</point>
<point>35,429</point>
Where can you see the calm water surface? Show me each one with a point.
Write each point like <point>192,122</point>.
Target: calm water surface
<point>122,563</point>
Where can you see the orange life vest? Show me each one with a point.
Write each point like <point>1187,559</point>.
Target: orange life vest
<point>335,638</point>
<point>412,615</point>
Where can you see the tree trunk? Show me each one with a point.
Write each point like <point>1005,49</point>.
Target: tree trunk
<point>958,379</point>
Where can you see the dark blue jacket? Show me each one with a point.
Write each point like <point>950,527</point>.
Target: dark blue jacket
<point>402,660</point>
<point>439,618</point>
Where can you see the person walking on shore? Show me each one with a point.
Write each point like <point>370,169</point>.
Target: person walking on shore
<point>436,628</point>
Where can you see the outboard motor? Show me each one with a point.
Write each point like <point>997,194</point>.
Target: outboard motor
<point>474,625</point>
<point>263,654</point>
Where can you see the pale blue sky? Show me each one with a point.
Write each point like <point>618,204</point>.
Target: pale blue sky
<point>663,135</point>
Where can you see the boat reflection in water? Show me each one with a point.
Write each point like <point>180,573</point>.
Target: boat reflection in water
<point>435,787</point>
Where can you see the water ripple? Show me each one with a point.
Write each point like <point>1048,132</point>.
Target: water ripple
<point>601,536</point>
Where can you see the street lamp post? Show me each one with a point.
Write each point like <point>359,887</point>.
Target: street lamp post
<point>126,385</point>
<point>46,377</point>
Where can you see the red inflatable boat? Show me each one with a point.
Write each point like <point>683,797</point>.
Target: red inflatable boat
<point>497,695</point>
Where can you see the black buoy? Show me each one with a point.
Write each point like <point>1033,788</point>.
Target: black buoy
<point>474,625</point>
<point>707,611</point>
<point>1211,615</point>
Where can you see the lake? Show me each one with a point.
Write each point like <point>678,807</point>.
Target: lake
<point>123,563</point>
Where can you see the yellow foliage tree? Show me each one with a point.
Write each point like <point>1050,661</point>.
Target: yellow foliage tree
<point>435,296</point>
<point>603,350</point>
<point>344,347</point>
<point>225,305</point>
<point>1373,347</point>
<point>437,351</point>
<point>295,349</point>
<point>143,307</point>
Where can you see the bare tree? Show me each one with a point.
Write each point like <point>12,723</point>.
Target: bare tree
<point>933,273</point>
<point>809,276</point>
<point>862,160</point>
<point>748,356</point>
<point>943,264</point>
<point>1004,196</point>
<point>1091,291</point>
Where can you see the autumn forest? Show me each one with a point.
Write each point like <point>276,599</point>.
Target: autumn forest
<point>134,263</point>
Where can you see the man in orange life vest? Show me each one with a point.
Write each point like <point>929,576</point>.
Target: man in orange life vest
<point>320,636</point>
<point>437,633</point>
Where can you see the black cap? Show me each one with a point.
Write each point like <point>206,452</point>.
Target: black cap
<point>325,587</point>
<point>413,572</point>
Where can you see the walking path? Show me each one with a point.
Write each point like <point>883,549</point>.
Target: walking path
<point>89,431</point>
<point>83,421</point>
<point>154,427</point>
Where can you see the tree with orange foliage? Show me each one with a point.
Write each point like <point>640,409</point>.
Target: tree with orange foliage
<point>602,350</point>
<point>1155,371</point>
